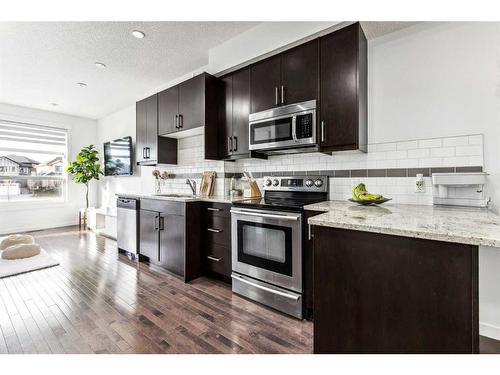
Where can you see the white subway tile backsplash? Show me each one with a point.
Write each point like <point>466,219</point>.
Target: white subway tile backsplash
<point>430,143</point>
<point>430,162</point>
<point>455,141</point>
<point>386,146</point>
<point>476,139</point>
<point>472,150</point>
<point>408,145</point>
<point>443,152</point>
<point>396,154</point>
<point>419,153</point>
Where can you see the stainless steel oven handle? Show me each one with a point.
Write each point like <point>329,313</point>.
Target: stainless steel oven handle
<point>270,216</point>
<point>294,129</point>
<point>283,294</point>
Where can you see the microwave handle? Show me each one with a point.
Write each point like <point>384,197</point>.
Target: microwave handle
<point>294,129</point>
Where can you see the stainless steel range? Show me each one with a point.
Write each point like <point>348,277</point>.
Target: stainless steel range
<point>267,241</point>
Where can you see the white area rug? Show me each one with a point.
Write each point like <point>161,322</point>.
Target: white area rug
<point>17,266</point>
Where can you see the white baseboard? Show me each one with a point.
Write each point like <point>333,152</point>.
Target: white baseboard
<point>29,228</point>
<point>489,330</point>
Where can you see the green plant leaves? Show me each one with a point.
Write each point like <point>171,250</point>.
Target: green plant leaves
<point>86,166</point>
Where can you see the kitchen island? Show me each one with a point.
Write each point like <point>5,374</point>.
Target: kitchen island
<point>397,278</point>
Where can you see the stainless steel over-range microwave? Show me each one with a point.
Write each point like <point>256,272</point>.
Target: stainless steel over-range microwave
<point>286,129</point>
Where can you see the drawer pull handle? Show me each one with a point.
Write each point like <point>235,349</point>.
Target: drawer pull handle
<point>214,230</point>
<point>213,209</point>
<point>214,258</point>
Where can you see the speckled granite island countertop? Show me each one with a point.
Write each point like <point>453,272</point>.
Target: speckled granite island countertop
<point>183,198</point>
<point>470,226</point>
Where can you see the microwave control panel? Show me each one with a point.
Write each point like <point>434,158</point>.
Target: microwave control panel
<point>305,126</point>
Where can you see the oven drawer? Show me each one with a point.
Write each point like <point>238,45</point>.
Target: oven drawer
<point>267,294</point>
<point>218,259</point>
<point>218,230</point>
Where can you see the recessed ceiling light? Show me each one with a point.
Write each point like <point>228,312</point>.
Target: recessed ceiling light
<point>100,65</point>
<point>81,84</point>
<point>138,34</point>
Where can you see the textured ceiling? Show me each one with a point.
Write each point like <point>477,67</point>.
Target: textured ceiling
<point>41,62</point>
<point>376,29</point>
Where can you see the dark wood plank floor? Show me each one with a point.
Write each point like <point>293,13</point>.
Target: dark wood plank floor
<point>99,302</point>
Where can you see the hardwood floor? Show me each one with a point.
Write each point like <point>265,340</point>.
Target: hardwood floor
<point>99,302</point>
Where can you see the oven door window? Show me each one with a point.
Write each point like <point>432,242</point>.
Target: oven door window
<point>271,131</point>
<point>265,246</point>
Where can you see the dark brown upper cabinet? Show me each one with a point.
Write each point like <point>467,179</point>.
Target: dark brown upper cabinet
<point>287,78</point>
<point>300,73</point>
<point>168,110</point>
<point>151,149</point>
<point>184,106</point>
<point>189,105</point>
<point>343,93</point>
<point>265,81</point>
<point>234,108</point>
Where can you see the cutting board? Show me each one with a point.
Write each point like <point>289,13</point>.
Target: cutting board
<point>207,184</point>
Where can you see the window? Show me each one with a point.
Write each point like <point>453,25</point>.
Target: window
<point>32,159</point>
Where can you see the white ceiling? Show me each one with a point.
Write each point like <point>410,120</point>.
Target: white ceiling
<point>41,62</point>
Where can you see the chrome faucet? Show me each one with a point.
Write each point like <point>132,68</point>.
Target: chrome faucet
<point>192,185</point>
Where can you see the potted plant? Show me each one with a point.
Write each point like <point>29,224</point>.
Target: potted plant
<point>84,169</point>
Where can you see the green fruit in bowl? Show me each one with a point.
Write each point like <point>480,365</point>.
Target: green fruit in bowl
<point>359,193</point>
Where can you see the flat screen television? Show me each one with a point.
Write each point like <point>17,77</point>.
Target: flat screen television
<point>118,157</point>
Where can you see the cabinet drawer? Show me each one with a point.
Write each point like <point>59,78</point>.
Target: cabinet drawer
<point>218,230</point>
<point>218,259</point>
<point>217,209</point>
<point>164,206</point>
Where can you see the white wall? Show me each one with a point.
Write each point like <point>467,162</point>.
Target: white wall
<point>31,216</point>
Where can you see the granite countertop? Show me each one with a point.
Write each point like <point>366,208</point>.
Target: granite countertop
<point>471,226</point>
<point>215,198</point>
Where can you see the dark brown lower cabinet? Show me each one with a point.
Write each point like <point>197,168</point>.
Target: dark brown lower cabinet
<point>377,293</point>
<point>216,248</point>
<point>170,236</point>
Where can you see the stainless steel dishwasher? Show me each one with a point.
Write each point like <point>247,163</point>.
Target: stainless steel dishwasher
<point>128,225</point>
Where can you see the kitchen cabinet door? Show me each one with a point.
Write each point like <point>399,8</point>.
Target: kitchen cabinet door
<point>225,104</point>
<point>148,235</point>
<point>192,103</point>
<point>141,131</point>
<point>265,83</point>
<point>300,73</point>
<point>168,110</point>
<point>241,110</point>
<point>343,77</point>
<point>152,127</point>
<point>172,243</point>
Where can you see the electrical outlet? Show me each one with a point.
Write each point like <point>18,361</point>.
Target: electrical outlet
<point>419,186</point>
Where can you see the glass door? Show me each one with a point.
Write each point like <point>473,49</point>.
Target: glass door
<point>265,246</point>
<point>271,131</point>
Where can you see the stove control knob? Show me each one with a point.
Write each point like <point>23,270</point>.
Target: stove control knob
<point>309,183</point>
<point>318,183</point>
<point>275,182</point>
<point>267,182</point>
